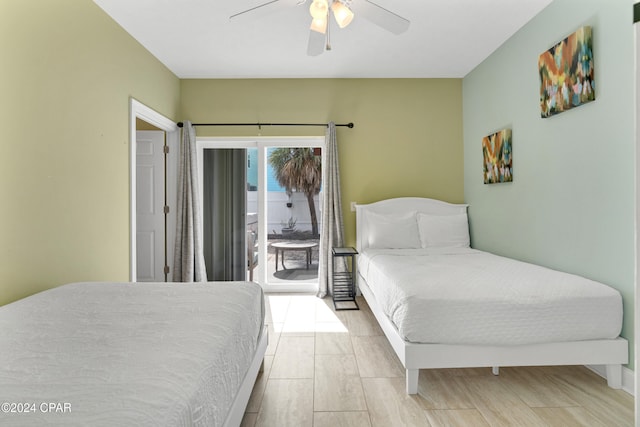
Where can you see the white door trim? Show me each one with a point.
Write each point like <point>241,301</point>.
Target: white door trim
<point>138,110</point>
<point>636,302</point>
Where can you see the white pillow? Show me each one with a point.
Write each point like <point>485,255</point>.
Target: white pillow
<point>444,230</point>
<point>393,231</point>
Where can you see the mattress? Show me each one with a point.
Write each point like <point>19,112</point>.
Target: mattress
<point>116,354</point>
<point>466,296</point>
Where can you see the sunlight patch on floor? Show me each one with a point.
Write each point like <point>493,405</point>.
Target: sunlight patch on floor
<point>302,314</point>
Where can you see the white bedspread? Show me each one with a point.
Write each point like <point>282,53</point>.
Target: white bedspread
<point>119,354</point>
<point>465,296</point>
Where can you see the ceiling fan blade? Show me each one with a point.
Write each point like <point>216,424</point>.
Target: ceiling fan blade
<point>263,9</point>
<point>380,16</point>
<point>316,43</point>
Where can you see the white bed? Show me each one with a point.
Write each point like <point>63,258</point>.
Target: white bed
<point>144,354</point>
<point>442,304</point>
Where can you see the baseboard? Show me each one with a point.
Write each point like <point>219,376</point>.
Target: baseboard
<point>628,377</point>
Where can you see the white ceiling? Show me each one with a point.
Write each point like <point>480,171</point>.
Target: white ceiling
<point>196,39</point>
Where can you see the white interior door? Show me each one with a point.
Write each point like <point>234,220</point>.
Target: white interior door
<point>150,202</point>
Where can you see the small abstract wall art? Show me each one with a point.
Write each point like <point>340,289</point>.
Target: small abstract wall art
<point>498,158</point>
<point>566,74</point>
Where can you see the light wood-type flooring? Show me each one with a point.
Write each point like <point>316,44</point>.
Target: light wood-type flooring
<point>336,368</point>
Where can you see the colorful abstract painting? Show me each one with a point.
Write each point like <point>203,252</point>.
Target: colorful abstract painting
<point>566,74</point>
<point>498,157</point>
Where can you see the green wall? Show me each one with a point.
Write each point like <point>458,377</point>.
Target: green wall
<point>571,204</point>
<point>407,139</point>
<point>67,73</point>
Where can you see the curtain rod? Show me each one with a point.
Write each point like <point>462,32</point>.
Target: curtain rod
<point>349,125</point>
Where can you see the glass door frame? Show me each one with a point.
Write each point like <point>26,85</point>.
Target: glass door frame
<point>262,143</point>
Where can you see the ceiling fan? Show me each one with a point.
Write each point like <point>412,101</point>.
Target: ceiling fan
<point>343,12</point>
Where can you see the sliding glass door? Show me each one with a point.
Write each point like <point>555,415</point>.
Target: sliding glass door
<point>294,177</point>
<point>271,204</point>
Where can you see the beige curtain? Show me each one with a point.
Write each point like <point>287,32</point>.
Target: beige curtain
<point>332,234</point>
<point>188,260</point>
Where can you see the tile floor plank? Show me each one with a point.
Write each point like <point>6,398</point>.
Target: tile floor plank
<point>249,419</point>
<point>534,388</point>
<point>615,407</point>
<point>497,404</point>
<point>341,419</point>
<point>568,417</point>
<point>361,323</point>
<point>294,358</point>
<point>442,393</point>
<point>333,343</point>
<point>376,357</point>
<point>456,418</point>
<point>389,405</point>
<point>258,389</point>
<point>337,384</point>
<point>322,364</point>
<point>287,403</point>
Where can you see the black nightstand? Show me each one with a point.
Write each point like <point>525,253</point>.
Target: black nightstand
<point>344,282</point>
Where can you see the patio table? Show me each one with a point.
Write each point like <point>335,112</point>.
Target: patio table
<point>282,247</point>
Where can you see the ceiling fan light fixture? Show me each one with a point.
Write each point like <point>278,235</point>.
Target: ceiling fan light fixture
<point>319,25</point>
<point>319,9</point>
<point>342,14</point>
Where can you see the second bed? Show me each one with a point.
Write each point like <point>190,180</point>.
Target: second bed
<point>442,304</point>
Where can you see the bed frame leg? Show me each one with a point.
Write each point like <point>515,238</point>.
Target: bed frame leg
<point>614,376</point>
<point>495,370</point>
<point>412,381</point>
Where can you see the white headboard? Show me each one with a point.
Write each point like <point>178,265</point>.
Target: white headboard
<point>399,206</point>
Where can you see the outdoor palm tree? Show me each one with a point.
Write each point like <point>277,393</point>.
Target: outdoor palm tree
<point>298,169</point>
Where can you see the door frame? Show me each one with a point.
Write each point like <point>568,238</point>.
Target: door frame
<point>636,302</point>
<point>138,110</point>
<point>262,143</point>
